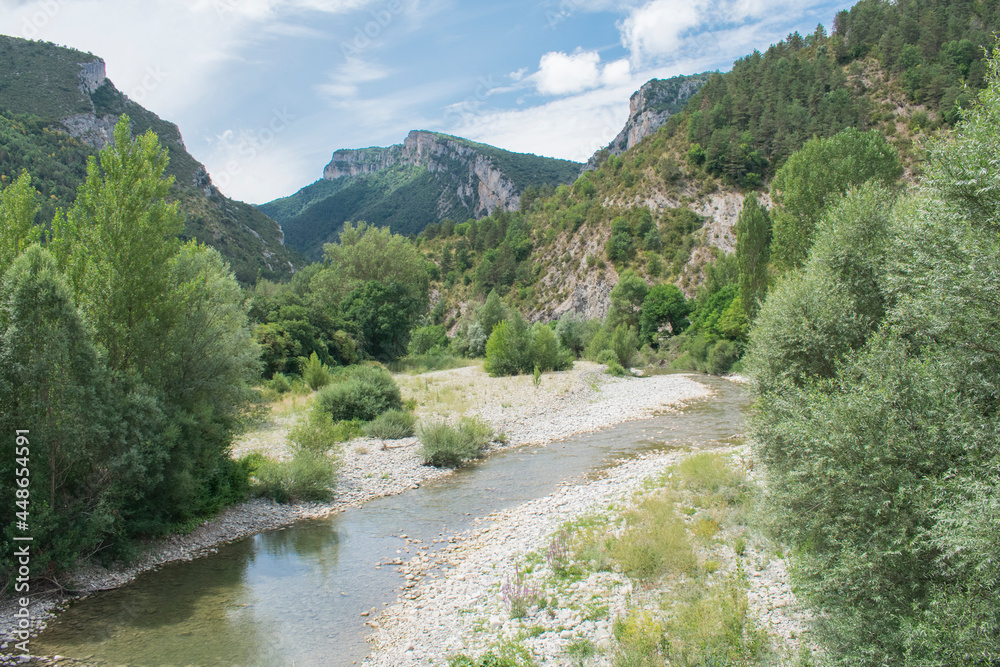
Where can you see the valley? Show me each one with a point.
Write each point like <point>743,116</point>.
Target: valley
<point>725,392</point>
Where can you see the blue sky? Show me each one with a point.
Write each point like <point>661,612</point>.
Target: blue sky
<point>265,90</point>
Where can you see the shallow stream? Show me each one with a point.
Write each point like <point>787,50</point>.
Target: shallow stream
<point>295,596</point>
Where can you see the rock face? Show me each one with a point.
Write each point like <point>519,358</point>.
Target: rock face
<point>479,183</point>
<point>649,108</point>
<point>92,75</point>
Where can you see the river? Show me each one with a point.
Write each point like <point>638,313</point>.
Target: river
<point>295,596</point>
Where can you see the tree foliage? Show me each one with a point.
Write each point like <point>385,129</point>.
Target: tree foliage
<point>815,176</point>
<point>753,253</point>
<point>876,374</point>
<point>126,355</point>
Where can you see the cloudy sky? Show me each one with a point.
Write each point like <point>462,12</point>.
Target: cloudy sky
<point>265,90</point>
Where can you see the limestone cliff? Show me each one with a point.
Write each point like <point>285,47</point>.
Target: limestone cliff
<point>649,108</point>
<point>481,186</point>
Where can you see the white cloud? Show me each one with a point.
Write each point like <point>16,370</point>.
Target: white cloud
<point>188,43</point>
<point>616,73</point>
<point>345,81</point>
<point>657,29</point>
<point>661,29</point>
<point>571,127</point>
<point>560,73</point>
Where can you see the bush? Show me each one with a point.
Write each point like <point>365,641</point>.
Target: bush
<point>614,368</point>
<point>315,373</point>
<point>425,339</point>
<point>391,425</point>
<point>279,383</point>
<point>444,445</point>
<point>607,357</point>
<point>546,354</point>
<point>308,476</point>
<point>624,343</point>
<point>722,357</point>
<point>508,348</point>
<point>365,393</point>
<point>317,432</point>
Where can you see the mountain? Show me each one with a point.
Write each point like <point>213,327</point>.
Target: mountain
<point>649,108</point>
<point>666,206</point>
<point>427,178</point>
<point>57,107</point>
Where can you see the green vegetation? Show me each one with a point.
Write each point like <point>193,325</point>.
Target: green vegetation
<point>515,348</point>
<point>443,445</point>
<point>360,392</point>
<point>815,176</point>
<point>308,476</point>
<point>36,135</point>
<point>876,373</point>
<point>391,425</point>
<point>128,354</point>
<point>405,198</point>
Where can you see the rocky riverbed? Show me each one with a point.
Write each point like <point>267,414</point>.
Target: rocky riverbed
<point>567,403</point>
<point>458,602</point>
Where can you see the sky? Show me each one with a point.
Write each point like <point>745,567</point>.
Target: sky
<point>265,90</point>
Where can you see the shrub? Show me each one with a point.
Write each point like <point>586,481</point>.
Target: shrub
<point>722,357</point>
<point>614,368</point>
<point>625,343</point>
<point>607,357</point>
<point>391,425</point>
<point>308,476</point>
<point>315,373</point>
<point>318,432</point>
<point>365,393</point>
<point>425,339</point>
<point>655,543</point>
<point>508,348</point>
<point>443,445</point>
<point>280,384</point>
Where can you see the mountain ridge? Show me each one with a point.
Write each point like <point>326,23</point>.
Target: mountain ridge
<point>428,177</point>
<point>81,102</point>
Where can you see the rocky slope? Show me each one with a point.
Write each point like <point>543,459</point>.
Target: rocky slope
<point>649,108</point>
<point>427,178</point>
<point>69,90</point>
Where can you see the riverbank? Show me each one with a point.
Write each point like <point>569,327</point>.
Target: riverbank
<point>567,403</point>
<point>519,587</point>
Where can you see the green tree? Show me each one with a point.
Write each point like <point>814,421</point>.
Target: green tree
<point>18,205</point>
<point>753,254</point>
<point>624,344</point>
<point>627,298</point>
<point>127,235</point>
<point>492,312</point>
<point>508,349</point>
<point>365,254</point>
<point>818,174</point>
<point>384,315</point>
<point>664,305</point>
<point>571,332</point>
<point>883,458</point>
<point>51,383</point>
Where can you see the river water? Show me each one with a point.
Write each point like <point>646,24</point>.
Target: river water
<point>295,596</point>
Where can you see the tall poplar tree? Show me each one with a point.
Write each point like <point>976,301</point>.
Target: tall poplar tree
<point>753,253</point>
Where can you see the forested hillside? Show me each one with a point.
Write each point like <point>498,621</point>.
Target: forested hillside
<point>57,109</point>
<point>405,187</point>
<point>668,209</point>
